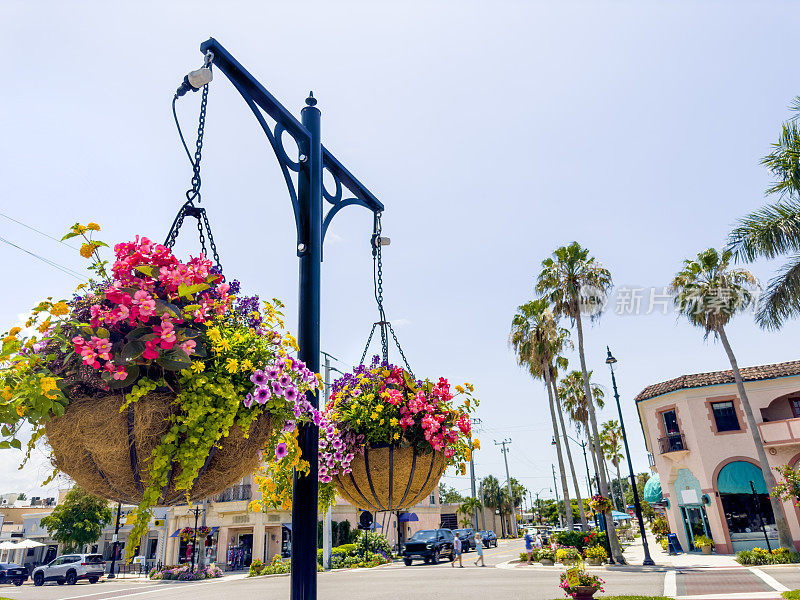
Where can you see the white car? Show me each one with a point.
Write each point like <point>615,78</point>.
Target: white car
<point>70,568</point>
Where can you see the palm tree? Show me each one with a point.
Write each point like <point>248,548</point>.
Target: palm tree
<point>562,362</point>
<point>611,441</point>
<point>573,396</point>
<point>470,507</point>
<point>537,339</point>
<point>709,293</point>
<point>491,493</point>
<point>775,229</point>
<point>574,283</point>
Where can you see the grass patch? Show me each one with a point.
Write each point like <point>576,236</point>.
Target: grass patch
<point>791,594</point>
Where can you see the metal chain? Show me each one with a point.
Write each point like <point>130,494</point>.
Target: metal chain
<point>369,341</point>
<point>193,194</point>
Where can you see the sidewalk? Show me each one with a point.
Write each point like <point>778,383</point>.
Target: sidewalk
<point>634,554</point>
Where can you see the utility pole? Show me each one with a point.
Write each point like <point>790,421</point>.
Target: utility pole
<point>558,502</point>
<point>508,481</point>
<point>475,423</point>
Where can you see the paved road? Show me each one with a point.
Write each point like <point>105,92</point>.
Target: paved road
<point>398,582</point>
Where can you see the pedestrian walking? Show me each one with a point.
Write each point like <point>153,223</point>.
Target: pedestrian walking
<point>479,549</point>
<point>457,551</point>
<point>529,545</point>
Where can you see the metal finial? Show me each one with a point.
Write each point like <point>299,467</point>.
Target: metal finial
<point>311,101</point>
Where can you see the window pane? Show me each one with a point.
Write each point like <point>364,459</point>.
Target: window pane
<point>725,416</point>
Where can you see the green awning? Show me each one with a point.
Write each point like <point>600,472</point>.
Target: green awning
<point>652,490</point>
<point>735,478</point>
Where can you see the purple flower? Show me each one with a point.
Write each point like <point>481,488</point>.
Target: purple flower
<point>298,365</point>
<point>273,373</point>
<point>289,425</point>
<point>337,456</point>
<point>277,389</point>
<point>330,429</point>
<point>337,443</point>
<point>281,451</point>
<point>248,400</point>
<point>285,380</point>
<point>316,417</point>
<point>326,479</point>
<point>322,443</point>
<point>290,394</point>
<point>323,471</point>
<point>259,377</point>
<point>263,394</point>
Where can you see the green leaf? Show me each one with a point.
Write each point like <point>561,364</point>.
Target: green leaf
<point>6,431</point>
<point>132,350</point>
<point>4,444</point>
<point>174,360</point>
<point>188,291</point>
<point>102,332</point>
<point>148,270</point>
<point>139,332</point>
<point>16,444</point>
<point>165,307</point>
<point>69,235</point>
<point>187,333</point>
<point>133,374</point>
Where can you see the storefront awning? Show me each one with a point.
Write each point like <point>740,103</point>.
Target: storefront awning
<point>408,517</point>
<point>287,525</point>
<point>620,516</point>
<point>652,490</point>
<point>176,534</point>
<point>735,478</point>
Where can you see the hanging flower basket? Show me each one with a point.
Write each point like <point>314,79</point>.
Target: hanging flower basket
<point>155,383</point>
<point>600,504</point>
<point>390,477</point>
<point>385,439</point>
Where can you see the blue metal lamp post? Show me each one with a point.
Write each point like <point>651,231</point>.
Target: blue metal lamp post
<point>610,360</point>
<point>311,226</point>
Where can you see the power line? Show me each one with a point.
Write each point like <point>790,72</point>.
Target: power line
<point>61,268</point>
<point>47,235</point>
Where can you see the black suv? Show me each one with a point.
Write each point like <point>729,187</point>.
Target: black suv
<point>467,538</point>
<point>11,573</point>
<point>430,545</point>
<point>489,538</point>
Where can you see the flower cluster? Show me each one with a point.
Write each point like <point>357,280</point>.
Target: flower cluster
<point>583,580</point>
<point>280,379</point>
<point>600,504</point>
<point>185,573</point>
<point>336,450</point>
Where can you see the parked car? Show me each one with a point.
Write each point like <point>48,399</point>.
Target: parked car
<point>70,568</point>
<point>489,538</point>
<point>467,538</point>
<point>11,573</point>
<point>430,545</point>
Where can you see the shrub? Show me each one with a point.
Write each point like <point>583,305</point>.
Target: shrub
<point>702,541</point>
<point>660,528</point>
<point>523,556</point>
<point>376,543</point>
<point>546,554</point>
<point>346,549</point>
<point>760,556</point>
<point>568,554</point>
<point>597,552</point>
<point>576,539</point>
<point>663,543</point>
<point>185,573</point>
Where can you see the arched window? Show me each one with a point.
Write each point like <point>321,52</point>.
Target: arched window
<point>742,507</point>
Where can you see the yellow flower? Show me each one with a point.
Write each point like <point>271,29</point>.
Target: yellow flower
<point>386,372</point>
<point>20,410</point>
<point>14,331</point>
<point>254,506</point>
<point>59,308</point>
<point>225,345</point>
<point>381,423</point>
<point>247,365</point>
<point>214,335</point>
<point>374,415</point>
<point>44,326</point>
<point>396,436</point>
<point>393,421</point>
<point>48,383</point>
<point>476,444</point>
<point>87,250</point>
<point>460,389</point>
<point>379,408</point>
<point>7,395</point>
<point>93,227</point>
<point>468,454</point>
<point>232,365</point>
<point>198,366</point>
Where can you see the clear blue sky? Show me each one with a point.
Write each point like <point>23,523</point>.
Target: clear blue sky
<point>493,133</point>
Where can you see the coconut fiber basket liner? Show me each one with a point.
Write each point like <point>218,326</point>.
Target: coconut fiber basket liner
<point>390,477</point>
<point>107,452</point>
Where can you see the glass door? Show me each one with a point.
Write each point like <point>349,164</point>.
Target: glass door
<point>695,522</point>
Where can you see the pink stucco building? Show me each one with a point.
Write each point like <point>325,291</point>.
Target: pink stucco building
<point>705,458</point>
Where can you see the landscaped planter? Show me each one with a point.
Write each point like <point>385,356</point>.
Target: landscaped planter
<point>595,562</point>
<point>390,477</point>
<point>706,549</point>
<point>583,592</point>
<point>546,562</point>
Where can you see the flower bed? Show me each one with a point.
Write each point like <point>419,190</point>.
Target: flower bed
<point>762,556</point>
<point>585,581</point>
<point>596,553</point>
<point>184,573</point>
<point>568,555</point>
<point>377,416</point>
<point>155,382</point>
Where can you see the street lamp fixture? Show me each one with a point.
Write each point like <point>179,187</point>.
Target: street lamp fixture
<point>610,361</point>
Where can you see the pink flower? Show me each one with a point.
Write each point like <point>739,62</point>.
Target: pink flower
<point>188,346</point>
<point>150,352</point>
<point>120,374</point>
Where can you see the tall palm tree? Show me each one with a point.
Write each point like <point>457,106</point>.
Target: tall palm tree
<point>537,339</point>
<point>611,441</point>
<point>573,396</point>
<point>562,362</point>
<point>491,494</point>
<point>709,293</point>
<point>775,229</point>
<point>576,283</point>
<point>470,507</point>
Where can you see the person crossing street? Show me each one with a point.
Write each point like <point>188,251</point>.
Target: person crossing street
<point>479,550</point>
<point>457,552</point>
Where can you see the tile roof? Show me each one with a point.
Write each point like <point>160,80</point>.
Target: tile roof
<point>786,369</point>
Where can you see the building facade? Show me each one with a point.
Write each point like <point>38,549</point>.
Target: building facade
<point>700,446</point>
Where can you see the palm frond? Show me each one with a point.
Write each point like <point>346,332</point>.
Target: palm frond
<point>768,232</point>
<point>781,299</point>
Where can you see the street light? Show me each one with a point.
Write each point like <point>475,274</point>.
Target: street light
<point>610,361</point>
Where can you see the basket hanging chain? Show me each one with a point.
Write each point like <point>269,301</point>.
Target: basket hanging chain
<point>192,194</point>
<point>384,324</point>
